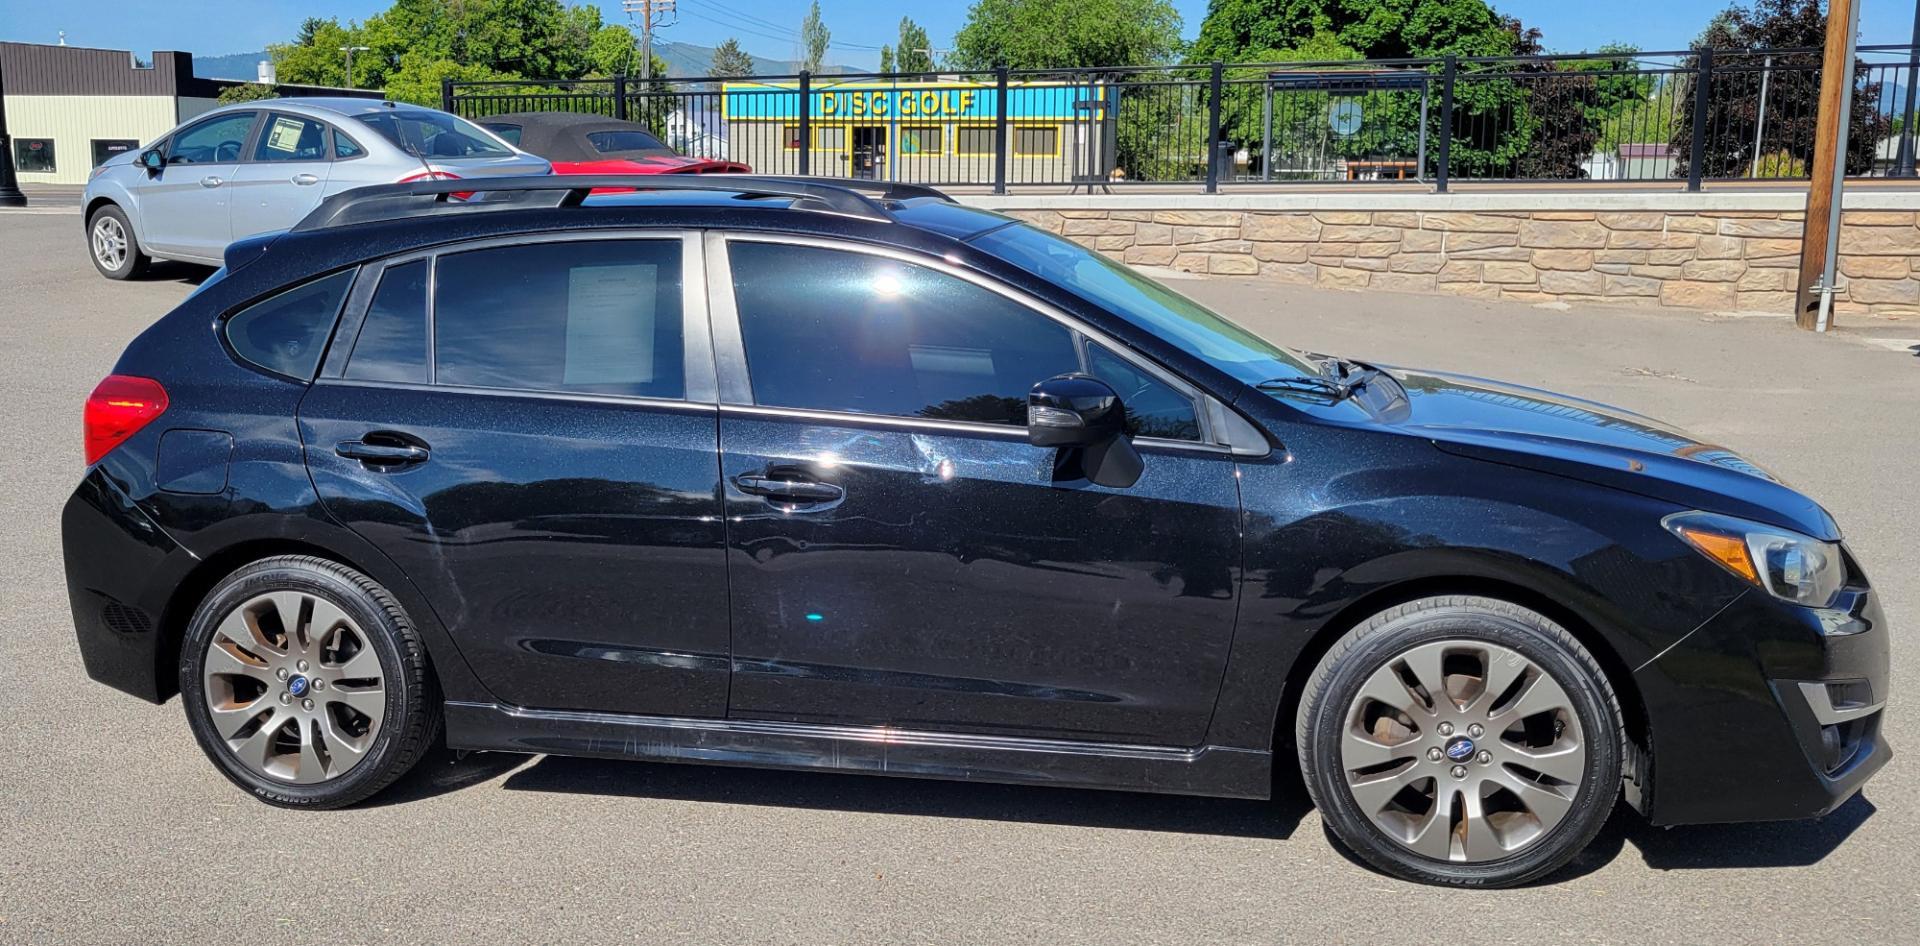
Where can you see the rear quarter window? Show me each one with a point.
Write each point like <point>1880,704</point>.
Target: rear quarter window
<point>287,332</point>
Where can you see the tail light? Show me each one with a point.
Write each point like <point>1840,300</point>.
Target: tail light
<point>437,176</point>
<point>118,407</point>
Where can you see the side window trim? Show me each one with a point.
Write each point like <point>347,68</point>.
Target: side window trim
<point>334,136</point>
<point>735,383</point>
<point>697,347</point>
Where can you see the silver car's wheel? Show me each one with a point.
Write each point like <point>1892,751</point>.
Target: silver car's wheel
<point>294,687</point>
<point>1463,750</point>
<point>109,242</point>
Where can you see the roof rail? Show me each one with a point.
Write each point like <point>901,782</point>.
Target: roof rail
<point>413,198</point>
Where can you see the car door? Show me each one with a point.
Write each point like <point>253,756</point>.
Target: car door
<point>286,177</point>
<point>184,208</point>
<point>528,430</point>
<point>901,556</point>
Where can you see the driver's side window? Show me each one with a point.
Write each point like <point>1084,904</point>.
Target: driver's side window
<point>214,141</point>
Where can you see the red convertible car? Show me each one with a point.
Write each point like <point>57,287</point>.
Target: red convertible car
<point>596,144</point>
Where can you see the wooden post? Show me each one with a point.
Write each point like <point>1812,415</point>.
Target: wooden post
<point>1829,159</point>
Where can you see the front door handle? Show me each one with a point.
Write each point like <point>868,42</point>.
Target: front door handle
<point>305,179</point>
<point>211,181</point>
<point>788,490</point>
<point>382,454</point>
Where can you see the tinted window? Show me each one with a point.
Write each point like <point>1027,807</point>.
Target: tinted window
<point>973,140</point>
<point>508,133</point>
<point>286,333</point>
<point>432,134</point>
<point>393,339</point>
<point>1154,409</point>
<point>833,330</point>
<point>212,141</point>
<point>607,142</point>
<point>291,138</point>
<point>596,317</point>
<point>345,147</point>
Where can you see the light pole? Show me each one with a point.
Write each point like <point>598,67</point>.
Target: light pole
<point>10,195</point>
<point>350,50</point>
<point>1903,165</point>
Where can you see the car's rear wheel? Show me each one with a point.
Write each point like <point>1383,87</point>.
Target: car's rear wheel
<point>110,243</point>
<point>1462,741</point>
<point>306,684</point>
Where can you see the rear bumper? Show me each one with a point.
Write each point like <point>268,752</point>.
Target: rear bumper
<point>1767,712</point>
<point>119,567</point>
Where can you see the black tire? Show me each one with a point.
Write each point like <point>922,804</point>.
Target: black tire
<point>1329,697</point>
<point>412,709</point>
<point>133,262</point>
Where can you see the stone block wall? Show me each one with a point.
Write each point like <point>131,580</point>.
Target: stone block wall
<point>1701,257</point>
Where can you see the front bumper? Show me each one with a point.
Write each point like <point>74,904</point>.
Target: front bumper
<point>1767,712</point>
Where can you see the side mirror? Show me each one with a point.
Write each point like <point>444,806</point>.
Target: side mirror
<point>1083,416</point>
<point>152,160</point>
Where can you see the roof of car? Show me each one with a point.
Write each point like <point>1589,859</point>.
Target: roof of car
<point>562,136</point>
<point>561,120</point>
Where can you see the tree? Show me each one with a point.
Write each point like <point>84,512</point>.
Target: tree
<point>886,58</point>
<point>314,56</point>
<point>915,52</point>
<point>730,61</point>
<point>814,36</point>
<point>1376,29</point>
<point>246,92</point>
<point>1793,96</point>
<point>1066,34</point>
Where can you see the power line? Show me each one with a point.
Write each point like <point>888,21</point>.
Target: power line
<point>787,35</point>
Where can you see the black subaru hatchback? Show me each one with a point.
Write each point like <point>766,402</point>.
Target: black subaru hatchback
<point>843,475</point>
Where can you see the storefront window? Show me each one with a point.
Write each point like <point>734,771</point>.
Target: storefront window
<point>104,148</point>
<point>33,155</point>
<point>973,140</point>
<point>927,140</point>
<point>1036,142</point>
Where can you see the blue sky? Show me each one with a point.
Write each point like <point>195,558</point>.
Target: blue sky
<point>766,27</point>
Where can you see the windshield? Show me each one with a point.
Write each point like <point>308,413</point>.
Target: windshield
<point>1190,326</point>
<point>425,134</point>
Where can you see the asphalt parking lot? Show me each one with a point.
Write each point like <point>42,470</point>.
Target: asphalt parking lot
<point>114,828</point>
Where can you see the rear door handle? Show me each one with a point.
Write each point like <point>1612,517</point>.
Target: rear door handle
<point>383,454</point>
<point>305,179</point>
<point>211,181</point>
<point>788,490</point>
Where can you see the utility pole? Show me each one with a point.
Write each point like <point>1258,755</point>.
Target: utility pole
<point>350,50</point>
<point>648,9</point>
<point>10,195</point>
<point>1819,249</point>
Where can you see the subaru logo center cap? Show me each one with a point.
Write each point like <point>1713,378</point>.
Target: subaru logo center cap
<point>298,687</point>
<point>1459,748</point>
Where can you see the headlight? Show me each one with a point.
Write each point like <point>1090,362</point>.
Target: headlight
<point>1792,567</point>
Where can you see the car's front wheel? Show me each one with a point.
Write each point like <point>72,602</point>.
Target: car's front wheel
<point>110,243</point>
<point>306,684</point>
<point>1462,741</point>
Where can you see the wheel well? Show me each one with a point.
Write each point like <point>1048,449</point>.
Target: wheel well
<point>1632,709</point>
<point>95,205</point>
<point>193,589</point>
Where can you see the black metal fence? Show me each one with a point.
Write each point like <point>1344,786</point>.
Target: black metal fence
<point>1691,116</point>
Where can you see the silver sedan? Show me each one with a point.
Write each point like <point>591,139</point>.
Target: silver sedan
<point>242,170</point>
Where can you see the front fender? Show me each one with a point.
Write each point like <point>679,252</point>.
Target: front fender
<point>1331,540</point>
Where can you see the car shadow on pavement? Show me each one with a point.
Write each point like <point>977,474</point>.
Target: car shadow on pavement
<point>876,794</point>
<point>1768,844</point>
<point>188,274</point>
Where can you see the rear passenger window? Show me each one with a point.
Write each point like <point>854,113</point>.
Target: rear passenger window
<point>286,333</point>
<point>393,339</point>
<point>833,330</point>
<point>600,317</point>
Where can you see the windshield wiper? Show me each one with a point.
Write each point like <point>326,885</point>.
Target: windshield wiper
<point>1338,379</point>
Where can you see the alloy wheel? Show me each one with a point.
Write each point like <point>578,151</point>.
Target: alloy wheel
<point>109,242</point>
<point>294,689</point>
<point>1463,751</point>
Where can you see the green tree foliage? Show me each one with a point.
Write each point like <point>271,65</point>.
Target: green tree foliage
<point>730,61</point>
<point>886,58</point>
<point>913,55</point>
<point>1376,29</point>
<point>1793,95</point>
<point>246,92</point>
<point>1061,34</point>
<point>814,37</point>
